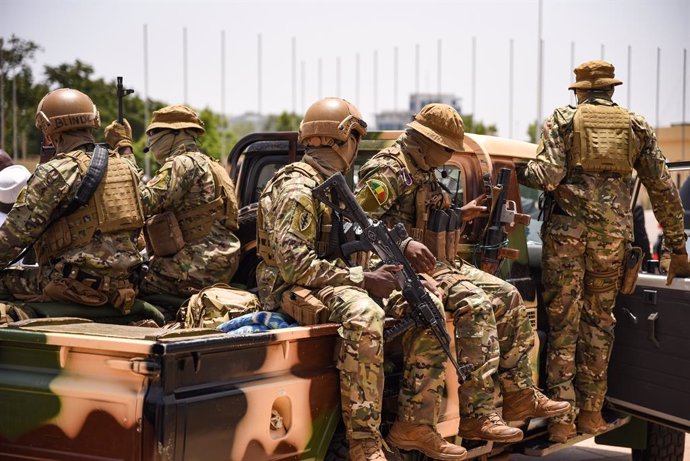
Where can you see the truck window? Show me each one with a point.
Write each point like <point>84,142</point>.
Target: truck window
<point>452,177</point>
<point>530,205</point>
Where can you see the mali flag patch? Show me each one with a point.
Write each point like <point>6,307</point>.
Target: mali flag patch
<point>379,190</point>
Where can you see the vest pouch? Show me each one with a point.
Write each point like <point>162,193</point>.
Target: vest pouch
<point>70,290</point>
<point>217,304</point>
<point>435,233</point>
<point>57,238</point>
<point>632,263</point>
<point>300,304</point>
<point>163,235</point>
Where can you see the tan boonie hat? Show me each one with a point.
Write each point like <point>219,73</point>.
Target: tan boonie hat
<point>594,74</point>
<point>177,117</point>
<point>442,124</point>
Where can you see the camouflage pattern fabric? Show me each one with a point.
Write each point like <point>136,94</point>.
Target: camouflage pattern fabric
<point>491,327</point>
<point>292,218</point>
<point>185,181</point>
<point>48,192</point>
<point>584,246</point>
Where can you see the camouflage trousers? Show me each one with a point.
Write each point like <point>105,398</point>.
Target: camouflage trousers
<point>581,280</point>
<point>360,361</point>
<point>492,332</point>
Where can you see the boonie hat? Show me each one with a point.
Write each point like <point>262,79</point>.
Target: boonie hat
<point>177,117</point>
<point>594,74</point>
<point>442,124</point>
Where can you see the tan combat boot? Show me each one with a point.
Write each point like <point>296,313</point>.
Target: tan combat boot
<point>530,403</point>
<point>423,438</point>
<point>369,449</point>
<point>489,427</point>
<point>590,422</point>
<point>561,432</point>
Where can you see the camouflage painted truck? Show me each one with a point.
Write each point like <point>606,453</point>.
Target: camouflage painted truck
<point>74,388</point>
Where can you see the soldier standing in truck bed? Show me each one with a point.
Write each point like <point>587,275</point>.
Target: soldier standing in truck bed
<point>585,160</point>
<point>492,330</point>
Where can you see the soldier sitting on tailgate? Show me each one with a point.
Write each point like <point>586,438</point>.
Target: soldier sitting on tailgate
<point>399,185</point>
<point>81,211</point>
<point>302,274</point>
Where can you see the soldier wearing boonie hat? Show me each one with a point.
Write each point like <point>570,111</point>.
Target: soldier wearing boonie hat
<point>193,199</point>
<point>399,184</point>
<point>585,160</point>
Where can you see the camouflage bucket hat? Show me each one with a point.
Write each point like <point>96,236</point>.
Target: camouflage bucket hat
<point>442,124</point>
<point>594,74</point>
<point>177,117</point>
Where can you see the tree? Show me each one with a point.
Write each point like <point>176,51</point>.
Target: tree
<point>532,132</point>
<point>283,122</point>
<point>16,75</point>
<point>478,127</point>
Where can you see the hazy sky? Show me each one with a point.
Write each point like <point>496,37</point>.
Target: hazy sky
<point>109,35</point>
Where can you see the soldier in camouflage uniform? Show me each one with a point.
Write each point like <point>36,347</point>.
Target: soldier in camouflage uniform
<point>585,160</point>
<point>87,253</point>
<point>192,209</point>
<point>492,330</point>
<point>301,273</point>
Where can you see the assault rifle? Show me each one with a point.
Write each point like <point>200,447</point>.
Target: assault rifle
<point>503,212</point>
<point>378,238</point>
<point>121,93</point>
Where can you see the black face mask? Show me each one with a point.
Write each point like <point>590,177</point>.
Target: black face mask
<point>47,152</point>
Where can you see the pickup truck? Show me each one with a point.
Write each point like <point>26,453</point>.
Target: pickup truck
<point>76,388</point>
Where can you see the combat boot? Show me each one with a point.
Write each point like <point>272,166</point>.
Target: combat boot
<point>530,403</point>
<point>369,449</point>
<point>561,432</point>
<point>425,439</point>
<point>489,427</point>
<point>590,422</point>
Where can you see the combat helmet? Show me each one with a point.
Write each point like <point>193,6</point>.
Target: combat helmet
<point>331,120</point>
<point>66,109</point>
<point>176,117</point>
<point>442,124</point>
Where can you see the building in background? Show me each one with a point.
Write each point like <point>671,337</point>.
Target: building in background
<point>396,120</point>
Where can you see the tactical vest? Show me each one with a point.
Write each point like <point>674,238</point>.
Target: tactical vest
<point>323,242</point>
<point>114,207</point>
<point>435,223</point>
<point>195,223</point>
<point>602,140</point>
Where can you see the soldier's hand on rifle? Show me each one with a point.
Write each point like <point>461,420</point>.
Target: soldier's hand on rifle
<point>473,209</point>
<point>119,135</point>
<point>420,257</point>
<point>676,264</point>
<point>382,282</point>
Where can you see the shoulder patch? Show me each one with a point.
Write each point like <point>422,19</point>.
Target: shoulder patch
<point>379,189</point>
<point>303,221</point>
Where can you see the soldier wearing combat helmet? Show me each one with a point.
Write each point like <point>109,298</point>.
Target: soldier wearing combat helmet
<point>492,330</point>
<point>302,274</point>
<point>191,208</point>
<point>585,160</point>
<point>86,251</point>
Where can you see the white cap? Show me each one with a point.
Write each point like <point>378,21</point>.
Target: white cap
<point>12,180</point>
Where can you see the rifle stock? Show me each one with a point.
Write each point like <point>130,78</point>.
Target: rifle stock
<point>384,242</point>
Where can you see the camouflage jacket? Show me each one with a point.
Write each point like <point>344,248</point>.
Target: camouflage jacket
<point>47,194</point>
<point>185,181</point>
<point>292,219</point>
<point>388,183</point>
<point>603,200</point>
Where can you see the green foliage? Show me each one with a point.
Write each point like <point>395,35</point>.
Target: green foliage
<point>217,139</point>
<point>532,132</point>
<point>284,122</point>
<point>478,127</point>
